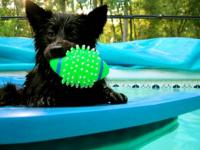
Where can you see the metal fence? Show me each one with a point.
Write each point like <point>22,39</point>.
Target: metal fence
<point>124,17</point>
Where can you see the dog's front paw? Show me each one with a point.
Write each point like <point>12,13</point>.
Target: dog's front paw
<point>114,97</point>
<point>42,101</point>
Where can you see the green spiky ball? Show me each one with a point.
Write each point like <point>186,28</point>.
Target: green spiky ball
<point>81,67</point>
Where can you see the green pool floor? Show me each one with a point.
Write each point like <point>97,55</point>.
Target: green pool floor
<point>185,137</point>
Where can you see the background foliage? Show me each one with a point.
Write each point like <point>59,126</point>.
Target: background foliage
<point>116,29</point>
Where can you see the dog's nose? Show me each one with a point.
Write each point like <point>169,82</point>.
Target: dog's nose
<point>57,49</point>
<point>53,51</point>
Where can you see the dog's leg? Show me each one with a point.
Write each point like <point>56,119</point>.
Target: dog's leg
<point>109,95</point>
<point>42,101</point>
<point>113,97</point>
<point>10,95</point>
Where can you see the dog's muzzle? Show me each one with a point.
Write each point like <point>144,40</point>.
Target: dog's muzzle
<point>57,49</point>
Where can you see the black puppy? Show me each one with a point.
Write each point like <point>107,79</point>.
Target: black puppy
<point>54,33</point>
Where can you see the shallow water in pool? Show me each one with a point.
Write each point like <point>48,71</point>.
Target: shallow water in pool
<point>134,94</point>
<point>185,137</point>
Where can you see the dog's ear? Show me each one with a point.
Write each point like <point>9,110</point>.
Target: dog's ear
<point>36,15</point>
<point>97,19</point>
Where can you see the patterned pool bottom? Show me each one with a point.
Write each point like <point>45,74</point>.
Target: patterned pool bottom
<point>141,88</point>
<point>156,84</point>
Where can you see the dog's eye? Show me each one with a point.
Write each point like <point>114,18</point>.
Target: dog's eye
<point>51,34</point>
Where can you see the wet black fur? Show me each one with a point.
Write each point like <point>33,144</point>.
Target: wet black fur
<point>53,34</point>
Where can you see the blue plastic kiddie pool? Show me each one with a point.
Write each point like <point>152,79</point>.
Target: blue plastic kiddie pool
<point>150,99</point>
